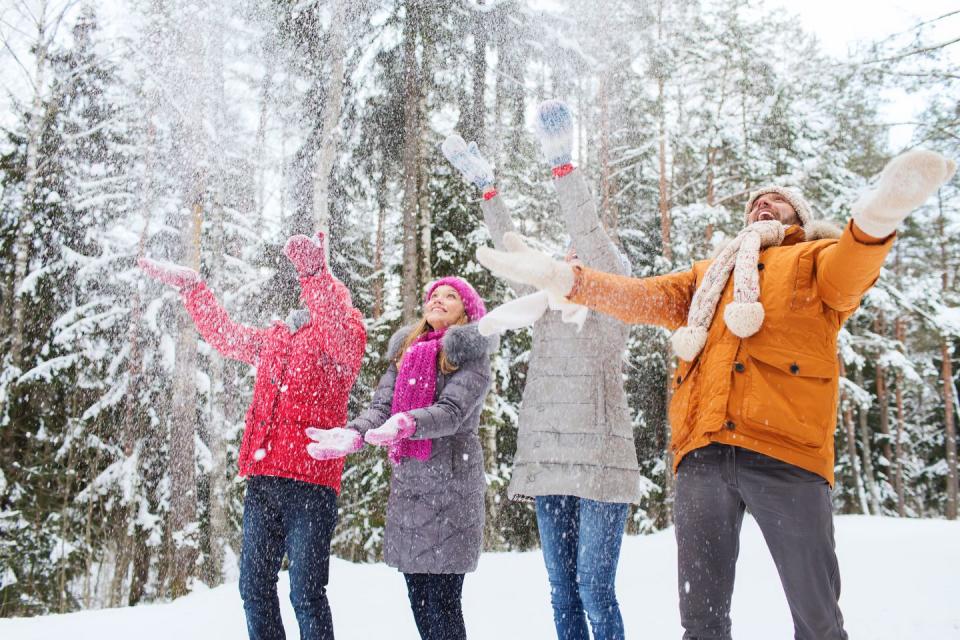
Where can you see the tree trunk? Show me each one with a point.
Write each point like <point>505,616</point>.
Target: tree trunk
<point>883,403</point>
<point>950,439</point>
<point>873,492</point>
<point>411,144</point>
<point>475,120</point>
<point>183,426</point>
<point>329,138</point>
<point>899,334</point>
<point>25,227</point>
<point>946,372</point>
<point>846,410</point>
<point>379,276</point>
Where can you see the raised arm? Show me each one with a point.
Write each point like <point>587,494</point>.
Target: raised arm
<point>231,339</point>
<point>662,300</point>
<point>554,129</point>
<point>467,159</point>
<point>848,268</point>
<point>335,325</point>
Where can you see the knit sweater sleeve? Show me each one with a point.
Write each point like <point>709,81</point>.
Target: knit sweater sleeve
<point>231,339</point>
<point>336,327</point>
<point>498,220</point>
<point>591,241</point>
<point>660,300</point>
<point>848,268</point>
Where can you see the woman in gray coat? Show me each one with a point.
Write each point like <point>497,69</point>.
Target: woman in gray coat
<point>426,410</point>
<point>575,450</point>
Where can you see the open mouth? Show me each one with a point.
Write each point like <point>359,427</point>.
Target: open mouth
<point>766,215</point>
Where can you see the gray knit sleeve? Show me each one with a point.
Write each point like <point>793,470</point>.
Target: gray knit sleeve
<point>594,247</point>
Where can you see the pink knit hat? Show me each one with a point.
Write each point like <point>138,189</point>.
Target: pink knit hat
<point>472,303</point>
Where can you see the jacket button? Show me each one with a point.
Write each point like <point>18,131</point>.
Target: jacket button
<point>759,266</point>
<point>729,425</point>
<point>679,379</point>
<point>794,368</point>
<point>738,367</point>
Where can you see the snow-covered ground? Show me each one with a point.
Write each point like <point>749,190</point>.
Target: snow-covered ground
<point>901,579</point>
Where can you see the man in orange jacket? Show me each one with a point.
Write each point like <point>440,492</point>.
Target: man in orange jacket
<point>754,400</point>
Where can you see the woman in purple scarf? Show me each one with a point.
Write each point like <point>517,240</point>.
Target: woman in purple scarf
<point>426,411</point>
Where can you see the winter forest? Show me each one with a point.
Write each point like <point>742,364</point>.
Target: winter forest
<point>205,133</point>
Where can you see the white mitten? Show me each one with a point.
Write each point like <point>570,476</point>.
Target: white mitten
<point>333,443</point>
<point>554,129</point>
<point>905,184</point>
<point>523,264</point>
<point>398,427</point>
<point>466,158</point>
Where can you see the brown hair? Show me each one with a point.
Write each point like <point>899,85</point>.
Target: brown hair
<point>421,328</point>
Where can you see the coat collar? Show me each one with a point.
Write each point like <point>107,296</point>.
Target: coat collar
<point>462,343</point>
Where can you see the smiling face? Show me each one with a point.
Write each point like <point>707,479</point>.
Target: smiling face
<point>773,206</point>
<point>444,308</point>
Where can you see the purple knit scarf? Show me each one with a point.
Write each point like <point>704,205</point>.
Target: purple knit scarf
<point>416,383</point>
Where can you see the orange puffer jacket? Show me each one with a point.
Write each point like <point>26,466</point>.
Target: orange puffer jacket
<point>776,391</point>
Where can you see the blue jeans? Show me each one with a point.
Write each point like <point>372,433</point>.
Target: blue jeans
<point>280,516</point>
<point>581,547</point>
<point>435,600</point>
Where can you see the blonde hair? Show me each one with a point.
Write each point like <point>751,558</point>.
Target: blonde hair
<point>421,328</point>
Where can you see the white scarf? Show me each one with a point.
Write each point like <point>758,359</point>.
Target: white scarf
<point>743,316</point>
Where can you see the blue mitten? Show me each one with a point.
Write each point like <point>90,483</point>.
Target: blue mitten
<point>468,161</point>
<point>554,129</point>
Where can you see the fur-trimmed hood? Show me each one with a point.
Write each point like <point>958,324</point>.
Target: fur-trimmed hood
<point>462,343</point>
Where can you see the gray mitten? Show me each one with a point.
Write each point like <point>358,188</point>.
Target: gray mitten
<point>554,129</point>
<point>468,161</point>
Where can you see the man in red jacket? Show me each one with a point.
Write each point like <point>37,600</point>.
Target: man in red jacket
<point>305,369</point>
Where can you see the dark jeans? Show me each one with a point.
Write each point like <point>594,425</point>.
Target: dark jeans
<point>435,600</point>
<point>581,547</point>
<point>297,518</point>
<point>792,506</point>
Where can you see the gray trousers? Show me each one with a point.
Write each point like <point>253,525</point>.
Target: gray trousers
<point>792,506</point>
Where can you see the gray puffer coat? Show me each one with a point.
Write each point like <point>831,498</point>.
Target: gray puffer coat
<point>575,433</point>
<point>435,510</point>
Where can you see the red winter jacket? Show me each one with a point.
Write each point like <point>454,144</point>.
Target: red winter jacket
<point>303,379</point>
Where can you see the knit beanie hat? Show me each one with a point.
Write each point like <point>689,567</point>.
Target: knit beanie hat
<point>472,304</point>
<point>791,195</point>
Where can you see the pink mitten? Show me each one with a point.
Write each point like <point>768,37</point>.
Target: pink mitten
<point>333,443</point>
<point>171,274</point>
<point>398,427</point>
<point>306,254</point>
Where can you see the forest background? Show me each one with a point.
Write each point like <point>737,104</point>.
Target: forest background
<point>207,132</point>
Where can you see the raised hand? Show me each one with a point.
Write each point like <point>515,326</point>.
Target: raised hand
<point>398,427</point>
<point>526,265</point>
<point>333,443</point>
<point>554,130</point>
<point>306,254</point>
<point>905,183</point>
<point>467,159</point>
<point>179,277</point>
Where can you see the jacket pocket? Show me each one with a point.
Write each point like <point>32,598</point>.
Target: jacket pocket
<point>805,296</point>
<point>791,396</point>
<point>682,388</point>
